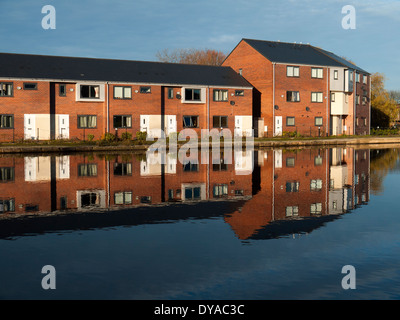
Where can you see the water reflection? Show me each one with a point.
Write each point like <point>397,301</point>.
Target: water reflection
<point>285,192</point>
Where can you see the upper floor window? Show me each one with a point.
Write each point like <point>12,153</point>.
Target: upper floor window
<point>239,93</point>
<point>292,96</point>
<point>317,73</point>
<point>365,79</point>
<point>145,89</point>
<point>170,93</point>
<point>6,89</point>
<point>30,86</point>
<point>292,71</point>
<point>62,90</point>
<point>335,74</point>
<point>220,95</point>
<point>122,92</point>
<point>90,91</point>
<point>192,94</point>
<point>316,97</point>
<point>357,77</point>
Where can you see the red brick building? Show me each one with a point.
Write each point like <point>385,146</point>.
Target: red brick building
<point>304,89</point>
<point>48,97</point>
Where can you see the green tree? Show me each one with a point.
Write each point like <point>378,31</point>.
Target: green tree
<point>192,56</point>
<point>383,106</point>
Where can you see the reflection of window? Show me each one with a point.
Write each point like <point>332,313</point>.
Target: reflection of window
<point>123,169</point>
<point>220,122</point>
<point>292,186</point>
<point>145,199</point>
<point>239,192</point>
<point>290,162</point>
<point>87,121</point>
<point>220,190</point>
<point>6,174</point>
<point>192,193</point>
<point>87,170</point>
<point>90,91</point>
<point>292,211</point>
<point>123,197</point>
<point>318,161</point>
<point>316,185</point>
<point>190,121</point>
<point>316,208</point>
<point>7,205</point>
<point>122,121</point>
<point>90,199</point>
<point>220,166</point>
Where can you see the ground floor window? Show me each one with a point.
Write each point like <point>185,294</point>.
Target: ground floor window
<point>122,121</point>
<point>87,121</point>
<point>6,121</point>
<point>190,121</point>
<point>220,122</point>
<point>318,121</point>
<point>290,121</point>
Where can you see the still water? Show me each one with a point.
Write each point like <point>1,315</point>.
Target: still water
<point>270,224</point>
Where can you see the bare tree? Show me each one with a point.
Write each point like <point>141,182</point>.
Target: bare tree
<point>192,56</point>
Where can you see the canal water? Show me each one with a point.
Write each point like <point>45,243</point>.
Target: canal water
<point>268,224</point>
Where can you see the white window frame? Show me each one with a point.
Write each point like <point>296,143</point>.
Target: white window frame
<point>317,73</point>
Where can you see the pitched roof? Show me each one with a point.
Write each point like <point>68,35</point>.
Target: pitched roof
<point>93,69</point>
<point>285,52</point>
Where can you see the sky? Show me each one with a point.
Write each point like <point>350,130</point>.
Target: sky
<point>138,29</point>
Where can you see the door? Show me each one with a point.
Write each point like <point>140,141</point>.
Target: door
<point>171,124</point>
<point>144,123</point>
<point>238,126</point>
<point>278,125</point>
<point>29,126</point>
<point>63,126</point>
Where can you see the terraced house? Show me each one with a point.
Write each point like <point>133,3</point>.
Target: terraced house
<point>50,97</point>
<point>304,89</point>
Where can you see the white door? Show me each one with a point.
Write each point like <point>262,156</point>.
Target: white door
<point>63,126</point>
<point>238,126</point>
<point>171,124</point>
<point>278,125</point>
<point>144,123</point>
<point>29,126</point>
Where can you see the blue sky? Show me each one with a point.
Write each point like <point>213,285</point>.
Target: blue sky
<point>137,29</point>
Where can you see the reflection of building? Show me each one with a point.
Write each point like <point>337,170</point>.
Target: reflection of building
<point>302,188</point>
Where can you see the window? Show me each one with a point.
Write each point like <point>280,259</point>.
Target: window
<point>292,96</point>
<point>90,199</point>
<point>292,186</point>
<point>290,121</point>
<point>292,71</point>
<point>192,193</point>
<point>220,122</point>
<point>316,208</point>
<point>318,121</point>
<point>62,90</point>
<point>335,74</point>
<point>239,93</point>
<point>220,166</point>
<point>87,121</point>
<point>7,205</point>
<point>318,161</point>
<point>365,79</point>
<point>333,97</point>
<point>365,121</point>
<point>241,72</point>
<point>192,94</point>
<point>145,90</point>
<point>220,95</point>
<point>220,190</point>
<point>317,73</point>
<point>6,121</point>
<point>190,121</point>
<point>316,97</point>
<point>190,167</point>
<point>145,199</point>
<point>292,211</point>
<point>87,170</point>
<point>364,100</point>
<point>90,92</point>
<point>6,89</point>
<point>357,99</point>
<point>122,121</point>
<point>123,169</point>
<point>6,174</point>
<point>122,92</point>
<point>290,162</point>
<point>357,77</point>
<point>170,93</point>
<point>316,185</point>
<point>30,86</point>
<point>123,197</point>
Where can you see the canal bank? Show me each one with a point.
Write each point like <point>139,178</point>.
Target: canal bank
<point>35,148</point>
